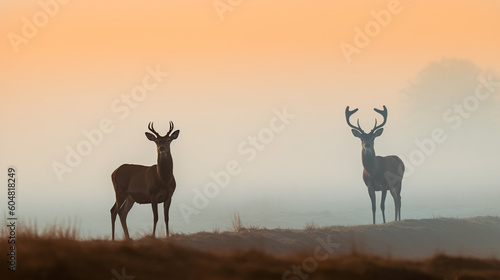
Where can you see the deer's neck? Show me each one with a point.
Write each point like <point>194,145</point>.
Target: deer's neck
<point>368,158</point>
<point>165,167</point>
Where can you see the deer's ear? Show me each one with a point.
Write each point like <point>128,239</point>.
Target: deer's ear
<point>175,135</point>
<point>150,136</point>
<point>356,133</point>
<point>378,132</point>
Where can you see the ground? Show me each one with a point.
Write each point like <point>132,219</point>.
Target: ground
<point>439,248</point>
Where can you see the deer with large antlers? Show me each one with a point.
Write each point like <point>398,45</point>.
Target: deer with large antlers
<point>145,184</point>
<point>379,173</point>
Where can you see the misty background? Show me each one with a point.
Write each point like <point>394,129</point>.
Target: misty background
<point>222,90</point>
<point>310,171</point>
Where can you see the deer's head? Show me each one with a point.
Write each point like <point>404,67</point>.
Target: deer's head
<point>162,142</point>
<point>367,139</point>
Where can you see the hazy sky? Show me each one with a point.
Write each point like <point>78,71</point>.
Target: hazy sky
<point>68,67</point>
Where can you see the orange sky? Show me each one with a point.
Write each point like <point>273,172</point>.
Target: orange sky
<point>99,44</point>
<point>271,50</point>
<point>90,33</point>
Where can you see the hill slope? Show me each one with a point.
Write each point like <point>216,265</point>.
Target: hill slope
<point>475,237</point>
<point>322,253</point>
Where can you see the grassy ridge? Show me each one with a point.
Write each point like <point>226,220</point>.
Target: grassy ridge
<point>254,253</point>
<point>41,258</point>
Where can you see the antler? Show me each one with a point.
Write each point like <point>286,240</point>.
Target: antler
<point>150,127</point>
<point>384,114</point>
<point>348,114</point>
<point>171,128</point>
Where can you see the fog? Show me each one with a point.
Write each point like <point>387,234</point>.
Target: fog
<point>260,111</point>
<point>306,165</point>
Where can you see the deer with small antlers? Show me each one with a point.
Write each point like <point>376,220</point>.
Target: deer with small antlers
<point>379,173</point>
<point>145,184</point>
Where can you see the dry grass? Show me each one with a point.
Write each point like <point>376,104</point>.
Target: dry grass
<point>68,229</point>
<point>216,230</point>
<point>252,227</point>
<point>311,226</point>
<point>56,252</point>
<point>236,222</point>
<point>237,225</point>
<point>161,259</point>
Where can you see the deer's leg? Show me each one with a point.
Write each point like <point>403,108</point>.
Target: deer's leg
<point>382,204</point>
<point>154,205</point>
<point>166,207</point>
<point>123,212</point>
<point>371,192</point>
<point>399,200</point>
<point>397,207</point>
<point>114,212</point>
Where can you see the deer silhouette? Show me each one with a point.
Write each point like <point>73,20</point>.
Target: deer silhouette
<point>145,184</point>
<point>379,173</point>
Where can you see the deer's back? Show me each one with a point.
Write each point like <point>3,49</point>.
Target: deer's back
<point>387,169</point>
<point>130,176</point>
<point>141,182</point>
